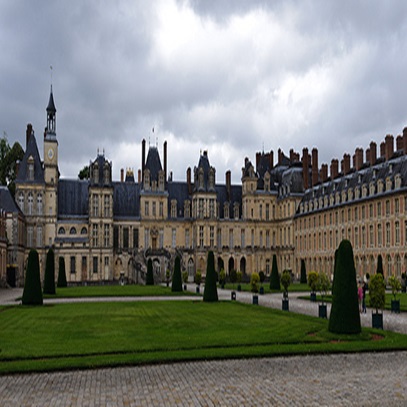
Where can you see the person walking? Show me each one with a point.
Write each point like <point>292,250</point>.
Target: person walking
<point>364,289</point>
<point>360,296</point>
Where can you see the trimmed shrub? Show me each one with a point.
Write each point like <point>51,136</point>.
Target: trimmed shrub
<point>222,277</point>
<point>254,281</point>
<point>198,277</point>
<point>379,265</point>
<point>303,278</point>
<point>313,280</point>
<point>345,317</point>
<point>274,277</point>
<point>286,281</point>
<point>262,277</point>
<point>61,273</point>
<point>211,291</point>
<point>32,294</point>
<point>49,276</point>
<point>150,275</point>
<point>377,292</point>
<point>176,285</point>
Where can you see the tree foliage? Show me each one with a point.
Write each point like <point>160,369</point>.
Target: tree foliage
<point>49,275</point>
<point>345,317</point>
<point>211,291</point>
<point>313,280</point>
<point>176,285</point>
<point>286,281</point>
<point>254,282</point>
<point>8,162</point>
<point>274,277</point>
<point>84,172</point>
<point>150,275</point>
<point>377,292</point>
<point>61,273</point>
<point>32,294</point>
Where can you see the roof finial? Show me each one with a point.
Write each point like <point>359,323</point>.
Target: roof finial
<point>50,67</point>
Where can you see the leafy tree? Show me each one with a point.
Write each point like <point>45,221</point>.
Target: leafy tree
<point>84,172</point>
<point>377,292</point>
<point>198,278</point>
<point>323,285</point>
<point>211,291</point>
<point>286,281</point>
<point>49,276</point>
<point>274,277</point>
<point>61,273</point>
<point>8,162</point>
<point>303,278</point>
<point>313,280</point>
<point>32,294</point>
<point>176,276</point>
<point>345,317</point>
<point>150,275</point>
<point>379,265</point>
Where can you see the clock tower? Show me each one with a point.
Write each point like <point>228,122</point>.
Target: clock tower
<point>51,172</point>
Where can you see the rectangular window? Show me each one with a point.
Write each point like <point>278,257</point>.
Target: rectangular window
<point>161,213</point>
<point>387,234</point>
<point>267,212</point>
<point>174,238</point>
<point>387,207</point>
<point>95,205</point>
<point>125,238</point>
<point>161,239</point>
<point>397,231</point>
<point>106,206</point>
<point>95,264</point>
<point>212,236</point>
<point>230,238</point>
<point>30,236</point>
<point>267,267</point>
<point>201,236</point>
<point>115,237</point>
<point>154,209</point>
<point>107,235</point>
<point>95,235</point>
<point>267,239</point>
<point>219,238</point>
<point>187,239</point>
<point>397,206</point>
<point>72,265</point>
<point>379,235</point>
<point>106,260</point>
<point>371,236</point>
<point>39,236</point>
<point>135,238</point>
<point>242,238</point>
<point>146,238</point>
<point>379,209</point>
<point>146,209</point>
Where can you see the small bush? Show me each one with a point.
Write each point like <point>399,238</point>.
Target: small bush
<point>323,285</point>
<point>198,277</point>
<point>176,285</point>
<point>377,292</point>
<point>61,273</point>
<point>345,317</point>
<point>49,275</point>
<point>32,294</point>
<point>274,277</point>
<point>286,281</point>
<point>313,280</point>
<point>395,285</point>
<point>254,281</point>
<point>211,291</point>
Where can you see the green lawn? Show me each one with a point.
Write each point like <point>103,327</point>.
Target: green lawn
<point>115,291</point>
<point>71,336</point>
<point>297,287</point>
<point>402,297</point>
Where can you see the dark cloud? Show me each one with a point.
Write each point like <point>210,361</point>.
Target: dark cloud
<point>230,77</point>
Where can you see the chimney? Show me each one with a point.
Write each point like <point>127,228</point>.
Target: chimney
<point>258,157</point>
<point>139,176</point>
<point>373,153</point>
<point>389,143</point>
<point>271,157</point>
<point>305,167</point>
<point>324,172</point>
<point>345,164</point>
<point>358,158</point>
<point>189,181</point>
<point>165,161</point>
<point>334,168</point>
<point>122,175</point>
<point>405,140</point>
<point>280,156</point>
<point>143,157</point>
<point>399,143</point>
<point>382,149</point>
<point>228,184</point>
<point>314,166</point>
<point>28,133</point>
<point>367,155</point>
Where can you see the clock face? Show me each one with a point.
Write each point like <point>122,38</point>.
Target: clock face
<point>50,153</point>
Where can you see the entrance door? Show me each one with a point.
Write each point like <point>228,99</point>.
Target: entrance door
<point>11,276</point>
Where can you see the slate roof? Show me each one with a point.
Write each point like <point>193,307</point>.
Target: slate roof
<point>7,202</point>
<point>73,198</point>
<point>126,200</point>
<point>101,162</point>
<point>51,104</point>
<point>153,163</point>
<point>32,150</point>
<point>178,191</point>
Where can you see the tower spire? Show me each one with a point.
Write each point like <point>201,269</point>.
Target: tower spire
<point>50,130</point>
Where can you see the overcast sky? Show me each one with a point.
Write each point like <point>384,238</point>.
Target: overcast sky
<point>230,77</point>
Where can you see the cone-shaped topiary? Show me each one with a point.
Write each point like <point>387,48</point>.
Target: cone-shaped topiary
<point>150,275</point>
<point>49,276</point>
<point>379,265</point>
<point>303,278</point>
<point>176,276</point>
<point>345,317</point>
<point>32,294</point>
<point>61,273</point>
<point>211,291</point>
<point>274,277</point>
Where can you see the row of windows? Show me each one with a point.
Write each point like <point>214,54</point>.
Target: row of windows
<point>29,205</point>
<point>84,260</point>
<point>96,205</point>
<point>72,231</point>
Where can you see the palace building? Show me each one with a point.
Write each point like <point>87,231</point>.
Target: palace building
<point>107,230</point>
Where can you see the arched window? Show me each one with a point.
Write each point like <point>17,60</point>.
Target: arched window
<point>84,231</point>
<point>30,203</point>
<point>21,201</point>
<point>61,231</point>
<point>39,204</point>
<point>72,231</point>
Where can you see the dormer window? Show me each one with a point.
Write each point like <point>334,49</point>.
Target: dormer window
<point>236,210</point>
<point>161,181</point>
<point>30,168</point>
<point>21,201</point>
<point>389,184</point>
<point>96,173</point>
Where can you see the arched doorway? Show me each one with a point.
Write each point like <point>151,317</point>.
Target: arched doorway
<point>231,265</point>
<point>243,265</point>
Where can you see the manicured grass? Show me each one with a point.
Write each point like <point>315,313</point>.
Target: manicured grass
<point>402,297</point>
<point>297,287</point>
<point>115,291</point>
<point>70,336</point>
